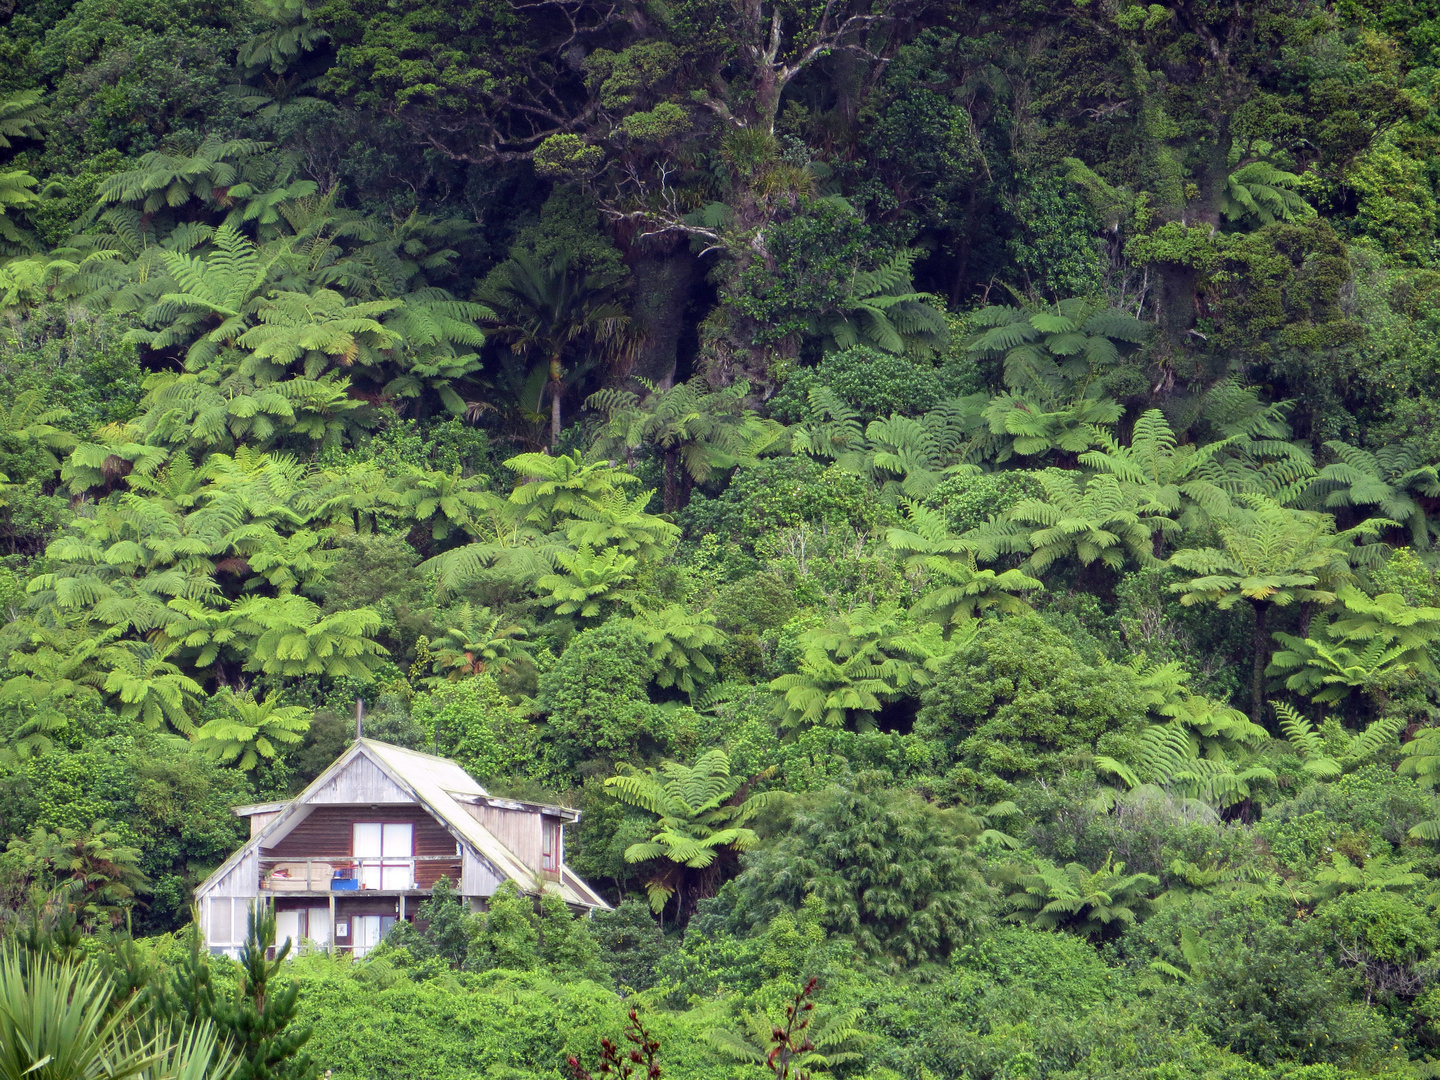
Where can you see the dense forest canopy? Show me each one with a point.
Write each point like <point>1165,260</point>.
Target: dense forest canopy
<point>949,490</point>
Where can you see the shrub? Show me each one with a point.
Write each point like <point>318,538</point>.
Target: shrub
<point>595,702</point>
<point>1019,701</point>
<point>873,383</point>
<point>889,870</point>
<point>967,502</point>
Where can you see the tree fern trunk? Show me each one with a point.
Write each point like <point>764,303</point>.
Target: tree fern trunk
<point>554,415</point>
<point>1258,662</point>
<point>672,480</point>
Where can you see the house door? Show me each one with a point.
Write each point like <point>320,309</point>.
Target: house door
<point>287,928</point>
<point>384,852</point>
<point>367,930</point>
<point>307,924</point>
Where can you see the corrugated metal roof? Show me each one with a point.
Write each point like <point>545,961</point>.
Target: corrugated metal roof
<point>439,773</point>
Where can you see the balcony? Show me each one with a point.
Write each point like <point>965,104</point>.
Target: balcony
<point>322,875</point>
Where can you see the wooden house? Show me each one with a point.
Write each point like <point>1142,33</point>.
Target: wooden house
<point>364,844</point>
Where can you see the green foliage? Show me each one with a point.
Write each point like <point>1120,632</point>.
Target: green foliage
<point>595,702</point>
<point>881,309</point>
<point>873,383</point>
<point>1202,748</point>
<point>545,308</point>
<point>1095,904</point>
<point>631,943</point>
<point>1054,349</point>
<point>1388,479</point>
<point>480,642</point>
<point>802,1041</point>
<point>694,428</point>
<point>1270,555</point>
<point>1100,520</point>
<point>471,722</point>
<point>259,1020</point>
<point>505,936</point>
<point>1375,645</point>
<point>97,876</point>
<point>1261,192</point>
<point>904,457</point>
<point>253,730</point>
<point>783,493</point>
<point>697,819</point>
<point>681,646</point>
<point>59,1021</point>
<point>1017,700</point>
<point>850,667</point>
<point>890,871</point>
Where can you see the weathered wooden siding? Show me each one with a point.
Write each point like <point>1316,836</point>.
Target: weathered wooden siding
<point>259,821</point>
<point>478,877</point>
<point>518,830</point>
<point>361,781</point>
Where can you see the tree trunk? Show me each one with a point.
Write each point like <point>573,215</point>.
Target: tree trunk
<point>1260,659</point>
<point>664,274</point>
<point>1307,612</point>
<point>672,479</point>
<point>1177,301</point>
<point>555,391</point>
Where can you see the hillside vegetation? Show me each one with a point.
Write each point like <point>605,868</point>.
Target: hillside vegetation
<point>949,490</point>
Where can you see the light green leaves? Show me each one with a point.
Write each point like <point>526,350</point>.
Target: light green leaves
<point>696,819</point>
<point>252,730</point>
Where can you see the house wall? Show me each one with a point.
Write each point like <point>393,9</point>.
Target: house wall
<point>225,906</point>
<point>346,909</point>
<point>326,835</point>
<point>478,877</point>
<point>518,830</point>
<point>361,781</point>
<point>259,821</point>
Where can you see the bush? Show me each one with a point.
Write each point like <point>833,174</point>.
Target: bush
<point>1375,800</point>
<point>471,721</point>
<point>873,383</point>
<point>1265,985</point>
<point>631,943</point>
<point>782,493</point>
<point>967,502</point>
<point>889,871</point>
<point>595,703</point>
<point>1019,701</point>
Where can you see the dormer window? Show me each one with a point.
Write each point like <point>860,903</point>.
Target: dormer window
<point>550,852</point>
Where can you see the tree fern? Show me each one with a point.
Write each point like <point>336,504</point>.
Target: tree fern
<point>881,309</point>
<point>699,815</point>
<point>171,178</point>
<point>1262,193</point>
<point>21,115</point>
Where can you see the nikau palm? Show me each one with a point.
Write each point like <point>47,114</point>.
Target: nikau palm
<point>547,307</point>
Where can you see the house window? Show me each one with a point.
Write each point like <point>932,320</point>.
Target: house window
<point>302,924</point>
<point>383,854</point>
<point>550,845</point>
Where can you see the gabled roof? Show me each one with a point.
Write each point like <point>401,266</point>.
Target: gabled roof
<point>441,786</point>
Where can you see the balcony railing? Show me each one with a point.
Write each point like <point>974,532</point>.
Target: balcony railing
<point>351,873</point>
